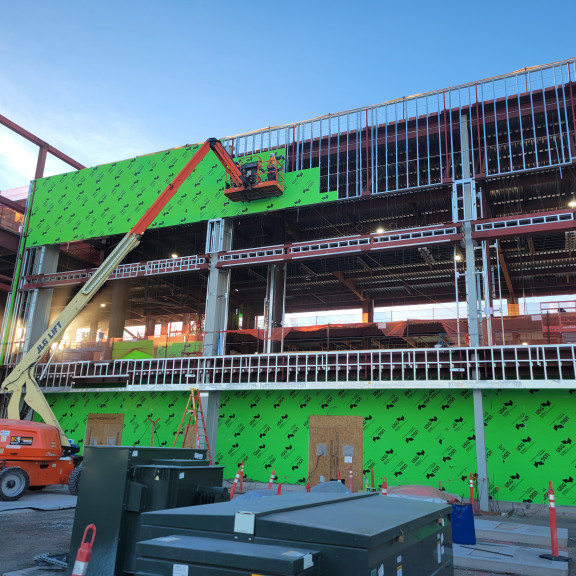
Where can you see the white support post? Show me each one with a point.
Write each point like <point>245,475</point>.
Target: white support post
<point>218,239</point>
<point>472,300</point>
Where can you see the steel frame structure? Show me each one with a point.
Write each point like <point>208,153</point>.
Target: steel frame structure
<point>485,229</point>
<point>517,122</point>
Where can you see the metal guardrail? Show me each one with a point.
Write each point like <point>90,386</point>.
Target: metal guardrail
<point>543,366</point>
<point>151,268</point>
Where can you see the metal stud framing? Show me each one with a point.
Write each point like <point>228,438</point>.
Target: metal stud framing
<point>517,122</point>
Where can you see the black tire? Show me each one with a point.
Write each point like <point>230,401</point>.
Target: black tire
<point>13,483</point>
<point>74,481</point>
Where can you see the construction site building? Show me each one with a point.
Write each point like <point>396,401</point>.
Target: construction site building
<point>414,285</point>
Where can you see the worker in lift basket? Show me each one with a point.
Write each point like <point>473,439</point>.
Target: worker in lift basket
<point>272,168</point>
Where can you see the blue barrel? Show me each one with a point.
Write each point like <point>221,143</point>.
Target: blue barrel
<point>463,531</point>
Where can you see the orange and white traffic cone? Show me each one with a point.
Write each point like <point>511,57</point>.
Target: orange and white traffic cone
<point>384,489</point>
<point>241,476</point>
<point>272,476</point>
<point>555,556</point>
<point>84,552</point>
<point>236,479</point>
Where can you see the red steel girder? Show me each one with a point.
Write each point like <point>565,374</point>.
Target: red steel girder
<point>44,146</point>
<point>537,223</point>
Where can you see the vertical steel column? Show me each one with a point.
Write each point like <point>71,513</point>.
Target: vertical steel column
<point>211,405</point>
<point>118,308</point>
<point>274,305</point>
<point>41,162</point>
<point>38,315</point>
<point>487,282</point>
<point>14,299</point>
<point>470,213</point>
<point>218,239</point>
<point>456,276</point>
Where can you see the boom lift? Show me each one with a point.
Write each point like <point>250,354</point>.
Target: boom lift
<point>34,454</point>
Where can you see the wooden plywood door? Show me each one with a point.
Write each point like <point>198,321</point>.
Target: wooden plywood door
<point>335,445</point>
<point>104,430</point>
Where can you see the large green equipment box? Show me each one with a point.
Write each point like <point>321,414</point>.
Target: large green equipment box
<point>299,534</point>
<point>119,483</point>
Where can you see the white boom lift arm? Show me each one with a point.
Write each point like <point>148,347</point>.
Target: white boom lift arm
<point>21,381</point>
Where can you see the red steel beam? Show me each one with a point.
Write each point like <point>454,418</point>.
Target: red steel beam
<point>527,224</point>
<point>506,272</point>
<point>12,205</point>
<point>43,145</point>
<point>350,284</point>
<point>124,271</point>
<point>9,240</point>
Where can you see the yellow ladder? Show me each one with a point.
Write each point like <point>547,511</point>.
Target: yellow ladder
<point>196,418</point>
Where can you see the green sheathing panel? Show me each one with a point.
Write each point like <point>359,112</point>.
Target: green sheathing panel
<point>531,439</point>
<point>133,350</point>
<point>72,411</point>
<point>412,437</point>
<point>109,199</point>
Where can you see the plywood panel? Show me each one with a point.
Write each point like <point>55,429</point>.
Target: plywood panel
<point>104,430</point>
<point>335,446</point>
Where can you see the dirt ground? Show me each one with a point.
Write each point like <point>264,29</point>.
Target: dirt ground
<point>28,533</point>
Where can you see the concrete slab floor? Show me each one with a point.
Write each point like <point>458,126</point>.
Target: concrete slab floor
<point>518,533</point>
<point>508,560</point>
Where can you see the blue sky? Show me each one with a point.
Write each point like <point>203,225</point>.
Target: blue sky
<point>111,79</point>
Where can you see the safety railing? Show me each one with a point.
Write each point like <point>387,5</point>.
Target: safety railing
<point>420,236</point>
<point>343,245</point>
<point>545,366</point>
<point>541,222</point>
<point>151,268</point>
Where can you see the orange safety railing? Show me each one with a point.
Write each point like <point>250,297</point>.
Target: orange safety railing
<point>260,171</point>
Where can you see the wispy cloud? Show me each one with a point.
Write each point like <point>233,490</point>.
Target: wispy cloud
<point>17,160</point>
<point>90,136</point>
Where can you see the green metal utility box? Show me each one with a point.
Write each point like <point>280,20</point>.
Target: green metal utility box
<point>119,483</point>
<point>299,535</point>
